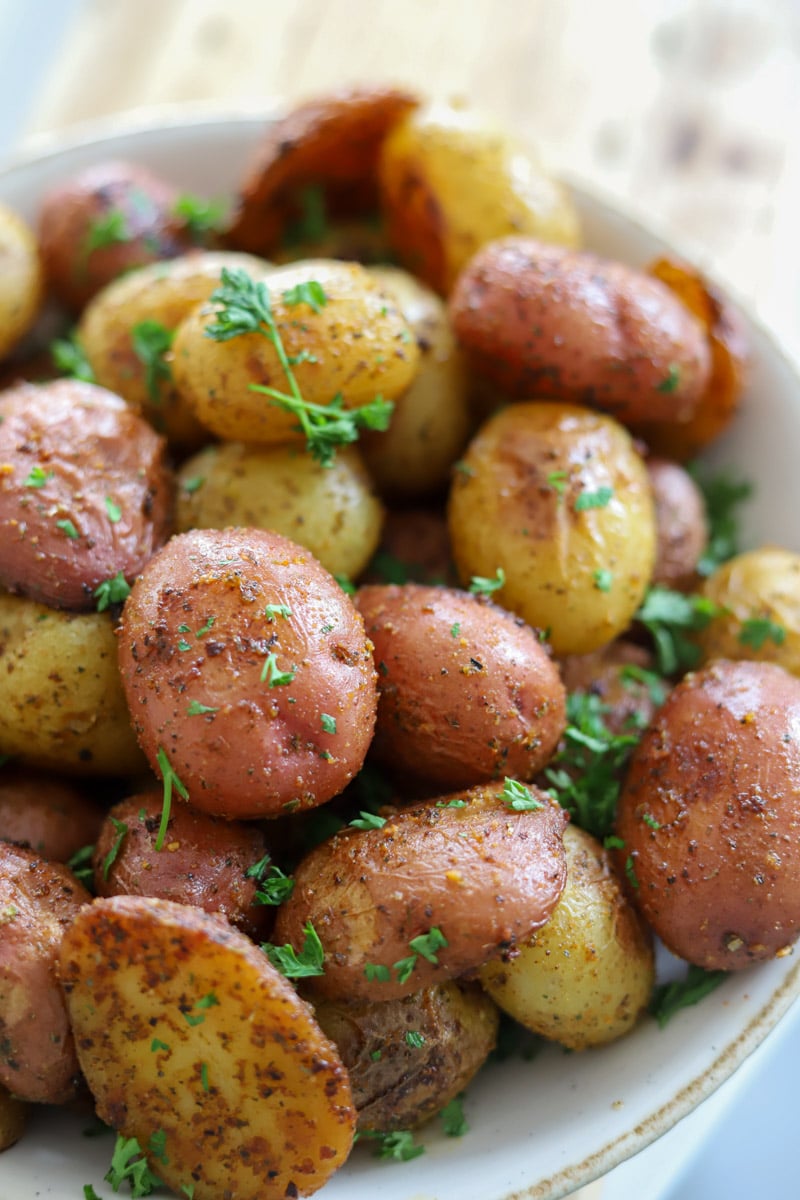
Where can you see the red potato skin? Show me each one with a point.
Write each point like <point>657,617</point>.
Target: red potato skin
<point>719,772</point>
<point>194,631</point>
<point>486,876</point>
<point>38,902</point>
<point>538,321</point>
<point>681,524</point>
<point>628,703</point>
<point>467,692</point>
<point>203,861</point>
<point>46,814</point>
<point>93,451</point>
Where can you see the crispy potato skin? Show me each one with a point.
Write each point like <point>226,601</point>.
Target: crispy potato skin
<point>195,631</point>
<point>484,875</point>
<point>203,862</point>
<point>538,320</point>
<point>51,816</point>
<point>516,504</point>
<point>332,511</point>
<point>21,281</point>
<point>72,453</point>
<point>719,772</point>
<point>586,976</point>
<point>681,525</point>
<point>184,1028</point>
<point>401,1085</point>
<point>38,902</point>
<point>13,1118</point>
<point>467,692</point>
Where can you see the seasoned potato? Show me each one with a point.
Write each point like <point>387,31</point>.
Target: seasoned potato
<point>618,675</point>
<point>408,1058</point>
<point>433,893</point>
<point>450,182</point>
<point>356,344</point>
<point>21,289</point>
<point>758,608</point>
<point>203,860</point>
<point>187,1032</point>
<point>248,673</point>
<point>414,547</point>
<point>681,525</point>
<point>330,143</point>
<point>431,421</point>
<point>13,1118</point>
<point>557,498</point>
<point>587,975</point>
<point>115,334</point>
<point>332,511</point>
<point>85,493</point>
<point>467,692</point>
<point>536,320</point>
<point>38,902</point>
<point>710,817</point>
<point>61,700</point>
<point>51,816</point>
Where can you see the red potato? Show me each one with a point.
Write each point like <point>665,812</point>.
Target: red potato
<point>38,902</point>
<point>467,691</point>
<point>248,671</point>
<point>540,321</point>
<point>617,675</point>
<point>681,524</point>
<point>49,815</point>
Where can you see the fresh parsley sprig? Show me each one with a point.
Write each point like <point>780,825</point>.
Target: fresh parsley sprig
<point>128,1164</point>
<point>151,341</point>
<point>669,998</point>
<point>671,617</point>
<point>723,496</point>
<point>310,961</point>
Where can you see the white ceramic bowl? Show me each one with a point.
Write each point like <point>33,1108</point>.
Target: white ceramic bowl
<point>538,1129</point>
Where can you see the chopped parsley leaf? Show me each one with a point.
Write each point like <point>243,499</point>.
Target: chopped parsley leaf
<point>671,381</point>
<point>603,579</point>
<point>120,829</point>
<point>368,820</point>
<point>518,797</point>
<point>669,998</point>
<point>453,1119</point>
<point>756,631</point>
<point>309,962</point>
<point>481,586</point>
<point>38,477</point>
<point>415,1039</point>
<point>111,591</point>
<point>66,526</point>
<point>151,341</point>
<point>599,499</point>
<point>128,1164</point>
<point>272,676</point>
<point>399,1144</point>
<point>171,781</point>
<point>328,722</point>
<point>196,709</point>
<point>69,357</point>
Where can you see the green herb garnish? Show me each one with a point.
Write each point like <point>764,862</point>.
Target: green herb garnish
<point>310,961</point>
<point>756,631</point>
<point>669,617</point>
<point>120,829</point>
<point>111,591</point>
<point>599,499</point>
<point>171,781</point>
<point>151,341</point>
<point>481,586</point>
<point>518,797</point>
<point>69,357</point>
<point>127,1163</point>
<point>669,998</point>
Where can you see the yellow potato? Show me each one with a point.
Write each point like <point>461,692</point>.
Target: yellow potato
<point>195,1045</point>
<point>332,511</point>
<point>21,279</point>
<point>556,497</point>
<point>758,593</point>
<point>586,976</point>
<point>13,1118</point>
<point>61,699</point>
<point>356,344</point>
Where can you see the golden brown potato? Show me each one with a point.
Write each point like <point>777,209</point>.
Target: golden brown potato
<point>356,343</point>
<point>248,673</point>
<point>586,976</point>
<point>681,525</point>
<point>710,818</point>
<point>13,1118</point>
<point>51,816</point>
<point>467,692</point>
<point>21,283</point>
<point>757,595</point>
<point>556,497</point>
<point>62,706</point>
<point>434,892</point>
<point>450,182</point>
<point>186,1031</point>
<point>408,1058</point>
<point>540,321</point>
<point>38,902</point>
<point>332,511</point>
<point>431,421</point>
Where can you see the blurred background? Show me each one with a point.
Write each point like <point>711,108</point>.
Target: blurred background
<point>684,111</point>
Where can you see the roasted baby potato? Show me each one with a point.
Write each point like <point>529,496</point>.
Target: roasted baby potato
<point>62,706</point>
<point>540,321</point>
<point>586,976</point>
<point>38,902</point>
<point>414,548</point>
<point>332,511</point>
<point>195,1045</point>
<point>450,182</point>
<point>435,891</point>
<point>21,290</point>
<point>248,673</point>
<point>467,692</point>
<point>621,676</point>
<point>13,1118</point>
<point>681,524</point>
<point>709,816</point>
<point>408,1058</point>
<point>557,498</point>
<point>51,816</point>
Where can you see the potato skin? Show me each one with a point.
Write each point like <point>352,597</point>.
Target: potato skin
<point>21,280</point>
<point>537,320</point>
<point>397,1085</point>
<point>586,976</point>
<point>516,504</point>
<point>85,492</point>
<point>681,524</point>
<point>203,861</point>
<point>482,874</point>
<point>62,706</point>
<point>38,902</point>
<point>709,816</point>
<point>628,703</point>
<point>51,816</point>
<point>332,511</point>
<point>195,631</point>
<point>467,692</point>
